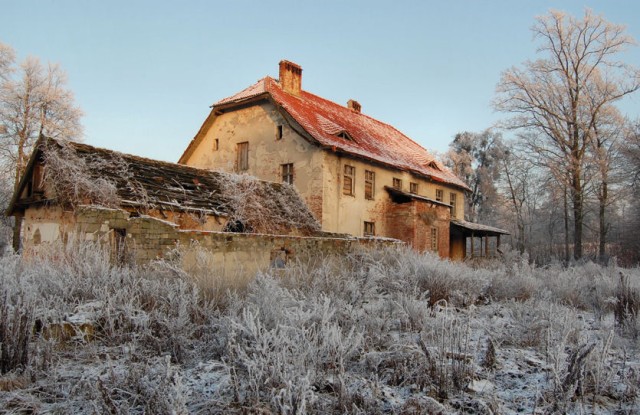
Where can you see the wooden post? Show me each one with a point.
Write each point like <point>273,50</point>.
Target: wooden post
<point>472,247</point>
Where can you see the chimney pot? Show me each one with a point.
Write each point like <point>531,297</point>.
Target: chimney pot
<point>290,77</point>
<point>354,105</point>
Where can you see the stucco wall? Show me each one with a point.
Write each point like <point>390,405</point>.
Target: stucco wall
<point>347,214</point>
<point>318,173</point>
<point>258,125</point>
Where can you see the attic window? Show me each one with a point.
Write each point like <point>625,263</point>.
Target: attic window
<point>344,135</point>
<point>216,144</point>
<point>279,133</point>
<point>434,165</point>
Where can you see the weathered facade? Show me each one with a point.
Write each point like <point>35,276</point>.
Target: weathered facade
<point>143,209</point>
<point>357,175</point>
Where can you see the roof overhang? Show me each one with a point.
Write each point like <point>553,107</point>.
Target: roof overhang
<point>400,196</point>
<point>476,229</point>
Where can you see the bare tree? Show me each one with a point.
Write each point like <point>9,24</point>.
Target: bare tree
<point>34,101</point>
<point>560,97</point>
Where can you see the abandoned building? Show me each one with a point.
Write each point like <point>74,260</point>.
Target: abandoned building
<point>142,209</point>
<point>357,175</point>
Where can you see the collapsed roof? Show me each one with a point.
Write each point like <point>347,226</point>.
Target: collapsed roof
<point>140,183</point>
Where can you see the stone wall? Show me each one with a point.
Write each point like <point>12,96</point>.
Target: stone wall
<point>142,239</point>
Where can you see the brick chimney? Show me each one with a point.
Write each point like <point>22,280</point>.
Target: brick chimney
<point>352,104</point>
<point>290,77</point>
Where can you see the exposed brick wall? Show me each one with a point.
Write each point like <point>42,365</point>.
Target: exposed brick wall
<point>411,222</point>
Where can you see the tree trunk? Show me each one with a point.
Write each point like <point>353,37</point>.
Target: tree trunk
<point>566,226</point>
<point>603,223</point>
<point>576,198</point>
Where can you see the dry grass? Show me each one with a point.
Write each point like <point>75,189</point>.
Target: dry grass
<point>356,334</point>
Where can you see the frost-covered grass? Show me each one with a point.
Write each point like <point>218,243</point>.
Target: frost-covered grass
<point>387,331</point>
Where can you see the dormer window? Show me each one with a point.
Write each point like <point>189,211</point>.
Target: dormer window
<point>344,135</point>
<point>434,165</point>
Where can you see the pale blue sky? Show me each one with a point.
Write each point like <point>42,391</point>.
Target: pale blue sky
<point>146,72</point>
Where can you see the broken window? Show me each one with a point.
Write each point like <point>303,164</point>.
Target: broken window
<point>397,183</point>
<point>236,226</point>
<point>413,187</point>
<point>286,171</point>
<point>452,202</point>
<point>348,180</point>
<point>242,156</point>
<point>369,184</point>
<point>369,229</point>
<point>434,239</point>
<point>439,195</point>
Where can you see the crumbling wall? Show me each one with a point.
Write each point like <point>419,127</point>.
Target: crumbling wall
<point>145,238</point>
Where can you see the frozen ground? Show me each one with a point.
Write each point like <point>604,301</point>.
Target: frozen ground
<point>381,332</point>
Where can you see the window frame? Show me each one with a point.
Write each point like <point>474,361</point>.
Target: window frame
<point>453,202</point>
<point>242,156</point>
<point>413,188</point>
<point>287,173</point>
<point>369,184</point>
<point>348,180</point>
<point>439,195</point>
<point>397,183</point>
<point>369,229</point>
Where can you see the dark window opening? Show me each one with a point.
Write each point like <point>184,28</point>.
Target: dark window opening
<point>216,144</point>
<point>119,245</point>
<point>236,226</point>
<point>279,133</point>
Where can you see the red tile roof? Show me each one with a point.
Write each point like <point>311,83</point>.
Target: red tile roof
<point>370,139</point>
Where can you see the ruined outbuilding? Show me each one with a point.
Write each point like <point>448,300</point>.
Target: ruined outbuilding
<point>145,208</point>
<point>358,175</point>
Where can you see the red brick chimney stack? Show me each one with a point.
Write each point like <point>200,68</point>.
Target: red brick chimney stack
<point>352,104</point>
<point>290,77</point>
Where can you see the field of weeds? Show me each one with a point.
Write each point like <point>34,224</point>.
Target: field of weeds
<point>387,331</point>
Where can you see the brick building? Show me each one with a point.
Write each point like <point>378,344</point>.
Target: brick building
<point>358,175</point>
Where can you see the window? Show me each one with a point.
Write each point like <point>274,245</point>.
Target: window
<point>286,171</point>
<point>216,144</point>
<point>369,229</point>
<point>413,187</point>
<point>242,156</point>
<point>279,133</point>
<point>434,239</point>
<point>369,184</point>
<point>397,183</point>
<point>452,202</point>
<point>348,180</point>
<point>439,195</point>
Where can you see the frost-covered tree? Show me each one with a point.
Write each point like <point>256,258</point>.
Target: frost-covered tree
<point>34,101</point>
<point>560,97</point>
<point>474,157</point>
